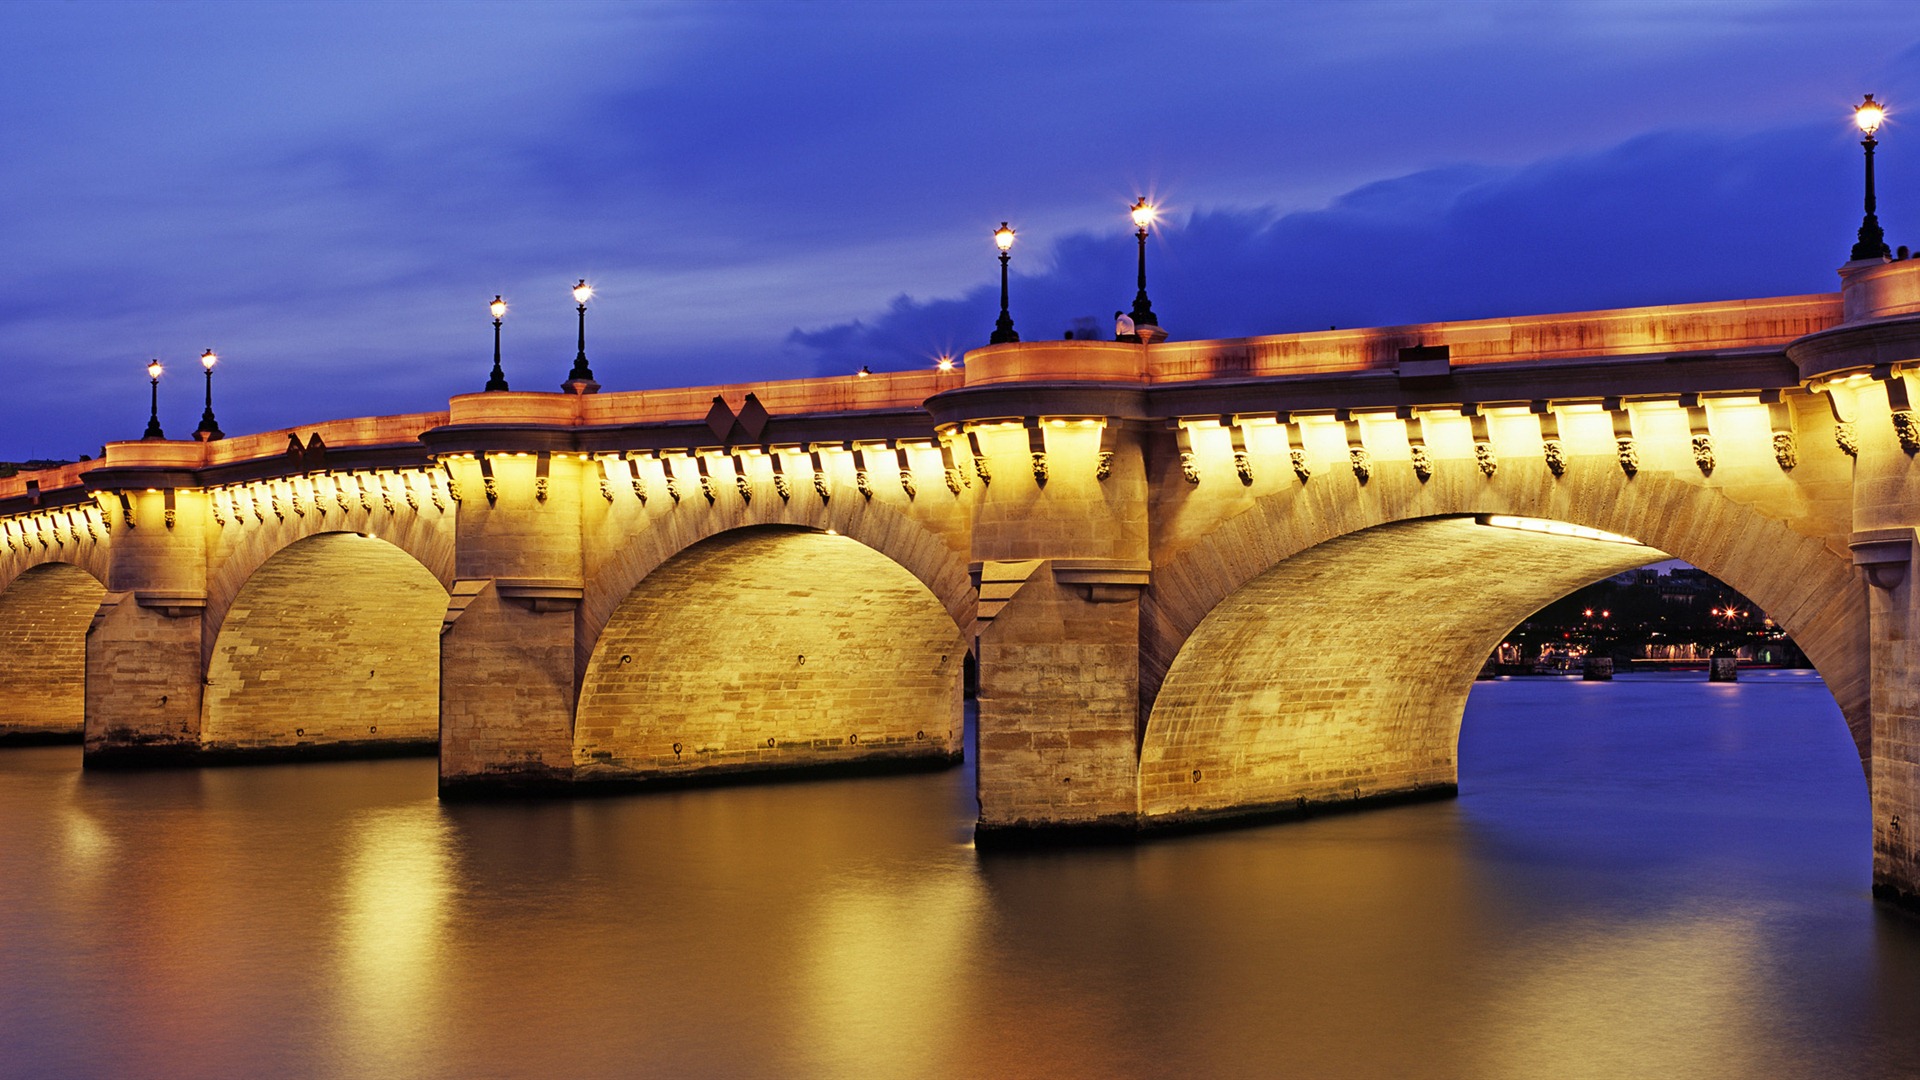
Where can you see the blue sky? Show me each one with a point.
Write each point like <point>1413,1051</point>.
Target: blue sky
<point>329,194</point>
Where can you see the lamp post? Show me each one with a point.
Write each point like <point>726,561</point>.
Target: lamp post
<point>153,416</point>
<point>209,428</point>
<point>1872,243</point>
<point>580,379</point>
<point>498,380</point>
<point>1143,214</point>
<point>1003,330</point>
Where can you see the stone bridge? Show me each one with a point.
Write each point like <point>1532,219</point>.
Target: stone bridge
<point>1199,579</point>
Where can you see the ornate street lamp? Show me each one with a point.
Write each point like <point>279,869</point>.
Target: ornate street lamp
<point>498,380</point>
<point>153,416</point>
<point>580,379</point>
<point>209,428</point>
<point>1003,330</point>
<point>1872,243</point>
<point>1143,213</point>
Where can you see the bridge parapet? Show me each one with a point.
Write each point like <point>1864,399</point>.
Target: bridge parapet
<point>1624,332</point>
<point>1873,289</point>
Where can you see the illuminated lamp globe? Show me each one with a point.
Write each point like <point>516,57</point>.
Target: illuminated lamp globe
<point>208,359</point>
<point>1144,212</point>
<point>582,292</point>
<point>154,369</point>
<point>1868,115</point>
<point>498,307</point>
<point>1003,236</point>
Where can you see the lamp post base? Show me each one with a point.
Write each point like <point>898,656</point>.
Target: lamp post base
<point>1150,334</point>
<point>580,386</point>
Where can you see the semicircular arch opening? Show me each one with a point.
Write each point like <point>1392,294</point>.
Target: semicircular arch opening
<point>770,648</point>
<point>44,615</point>
<point>1342,672</point>
<point>332,642</point>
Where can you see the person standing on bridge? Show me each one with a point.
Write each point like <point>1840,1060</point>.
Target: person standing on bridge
<point>1123,327</point>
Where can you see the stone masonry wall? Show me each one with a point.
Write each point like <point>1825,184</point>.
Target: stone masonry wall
<point>43,649</point>
<point>765,648</point>
<point>334,639</point>
<point>1343,672</point>
<point>1777,535</point>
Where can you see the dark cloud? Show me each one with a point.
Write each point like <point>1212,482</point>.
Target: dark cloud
<point>1672,217</point>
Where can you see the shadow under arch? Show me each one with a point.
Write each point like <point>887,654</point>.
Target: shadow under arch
<point>1342,673</point>
<point>44,615</point>
<point>771,647</point>
<point>331,646</point>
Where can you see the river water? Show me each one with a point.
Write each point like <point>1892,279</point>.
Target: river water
<point>1649,877</point>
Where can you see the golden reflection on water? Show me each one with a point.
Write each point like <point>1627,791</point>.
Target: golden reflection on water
<point>396,892</point>
<point>88,847</point>
<point>1647,999</point>
<point>336,920</point>
<point>893,955</point>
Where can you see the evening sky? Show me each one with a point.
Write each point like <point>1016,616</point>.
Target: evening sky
<point>329,194</point>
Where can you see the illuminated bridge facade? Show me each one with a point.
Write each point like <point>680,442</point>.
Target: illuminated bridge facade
<point>1199,579</point>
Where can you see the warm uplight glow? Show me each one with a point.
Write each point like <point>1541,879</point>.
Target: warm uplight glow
<point>154,369</point>
<point>863,372</point>
<point>1556,528</point>
<point>1144,213</point>
<point>208,359</point>
<point>499,306</point>
<point>582,292</point>
<point>1868,115</point>
<point>1003,236</point>
<point>945,363</point>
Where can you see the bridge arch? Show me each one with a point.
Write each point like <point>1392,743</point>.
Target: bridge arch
<point>639,545</point>
<point>241,546</point>
<point>45,609</point>
<point>1423,592</point>
<point>770,646</point>
<point>332,641</point>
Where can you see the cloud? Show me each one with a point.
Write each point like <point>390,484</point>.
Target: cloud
<point>1672,217</point>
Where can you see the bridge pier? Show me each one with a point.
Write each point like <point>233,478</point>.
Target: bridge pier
<point>1060,560</point>
<point>508,656</point>
<point>1058,710</point>
<point>1895,768</point>
<point>1861,368</point>
<point>144,668</point>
